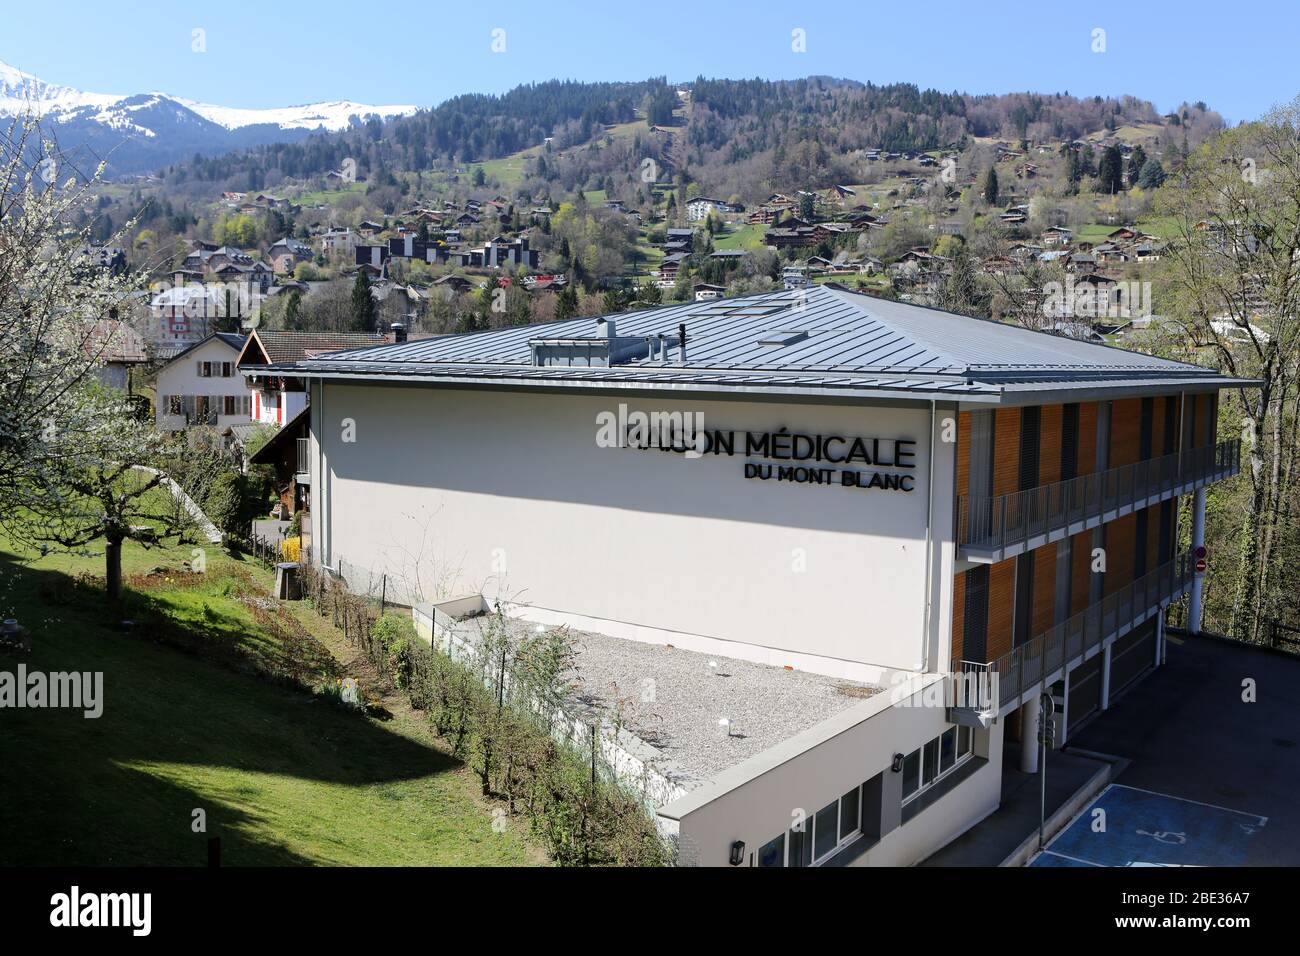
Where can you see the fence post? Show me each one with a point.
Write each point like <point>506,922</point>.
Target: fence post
<point>383,595</point>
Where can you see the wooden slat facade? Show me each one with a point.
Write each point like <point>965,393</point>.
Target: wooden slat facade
<point>1124,447</point>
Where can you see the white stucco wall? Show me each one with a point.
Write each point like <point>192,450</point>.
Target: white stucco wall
<point>508,493</point>
<point>181,377</point>
<point>756,801</point>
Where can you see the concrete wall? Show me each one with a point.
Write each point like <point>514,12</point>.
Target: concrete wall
<point>756,801</point>
<point>509,494</point>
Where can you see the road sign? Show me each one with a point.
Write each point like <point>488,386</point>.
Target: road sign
<point>1200,565</point>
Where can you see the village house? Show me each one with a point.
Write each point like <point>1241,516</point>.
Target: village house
<point>286,253</point>
<point>200,386</point>
<point>338,244</point>
<point>276,399</point>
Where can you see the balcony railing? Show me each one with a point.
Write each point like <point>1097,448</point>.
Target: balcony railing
<point>304,456</point>
<point>995,528</point>
<point>1042,661</point>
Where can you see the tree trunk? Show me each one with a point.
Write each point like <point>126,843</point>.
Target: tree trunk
<point>113,569</point>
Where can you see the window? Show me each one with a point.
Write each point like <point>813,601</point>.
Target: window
<point>174,405</point>
<point>850,804</point>
<point>947,750</point>
<point>772,853</point>
<point>938,758</point>
<point>227,370</point>
<point>1030,420</point>
<point>911,774</point>
<point>930,762</point>
<point>815,839</point>
<point>1146,428</point>
<point>826,830</point>
<point>205,370</point>
<point>1023,611</point>
<point>1170,431</point>
<point>1070,442</point>
<point>975,621</point>
<point>801,844</point>
<point>1064,564</point>
<point>964,741</point>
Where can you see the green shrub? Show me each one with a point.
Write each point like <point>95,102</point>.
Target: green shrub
<point>394,634</point>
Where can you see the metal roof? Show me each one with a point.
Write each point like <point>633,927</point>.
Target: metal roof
<point>814,339</point>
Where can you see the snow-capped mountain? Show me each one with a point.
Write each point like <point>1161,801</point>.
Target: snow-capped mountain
<point>143,132</point>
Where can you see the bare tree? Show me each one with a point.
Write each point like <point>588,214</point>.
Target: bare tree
<point>1233,275</point>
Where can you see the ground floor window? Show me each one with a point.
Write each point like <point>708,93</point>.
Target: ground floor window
<point>815,838</point>
<point>930,763</point>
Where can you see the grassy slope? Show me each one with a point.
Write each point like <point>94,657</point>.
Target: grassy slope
<point>283,776</point>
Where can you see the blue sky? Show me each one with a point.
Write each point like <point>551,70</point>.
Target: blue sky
<point>1237,57</point>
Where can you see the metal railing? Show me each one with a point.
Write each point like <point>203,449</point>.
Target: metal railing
<point>1038,661</point>
<point>995,524</point>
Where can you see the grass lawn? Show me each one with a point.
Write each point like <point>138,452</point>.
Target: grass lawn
<point>283,776</point>
<point>1163,227</point>
<point>315,197</point>
<point>508,170</point>
<point>747,236</point>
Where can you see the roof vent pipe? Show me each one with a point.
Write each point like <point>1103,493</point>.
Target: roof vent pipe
<point>609,327</point>
<point>663,347</point>
<point>681,338</point>
<point>399,332</point>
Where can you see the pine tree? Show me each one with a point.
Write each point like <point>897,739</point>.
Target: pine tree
<point>1152,174</point>
<point>1136,160</point>
<point>990,191</point>
<point>566,303</point>
<point>293,312</point>
<point>1111,172</point>
<point>364,314</point>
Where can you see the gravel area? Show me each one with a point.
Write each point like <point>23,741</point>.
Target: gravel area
<point>673,699</point>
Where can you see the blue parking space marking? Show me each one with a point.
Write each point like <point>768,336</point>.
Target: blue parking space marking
<point>1144,828</point>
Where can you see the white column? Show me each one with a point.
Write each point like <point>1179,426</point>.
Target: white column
<point>1160,635</point>
<point>1030,714</point>
<point>1063,725</point>
<point>1198,540</point>
<point>1105,677</point>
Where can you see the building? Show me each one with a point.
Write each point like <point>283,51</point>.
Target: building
<point>340,243</point>
<point>201,386</point>
<point>698,209</point>
<point>278,399</point>
<point>498,253</point>
<point>288,453</point>
<point>874,526</point>
<point>285,254</point>
<point>121,349</point>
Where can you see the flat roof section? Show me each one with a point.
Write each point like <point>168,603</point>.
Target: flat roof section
<point>688,697</point>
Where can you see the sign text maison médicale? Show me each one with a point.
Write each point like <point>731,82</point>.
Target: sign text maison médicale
<point>781,455</point>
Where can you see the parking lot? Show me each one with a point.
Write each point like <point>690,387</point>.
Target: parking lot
<point>1125,826</point>
<point>1214,769</point>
